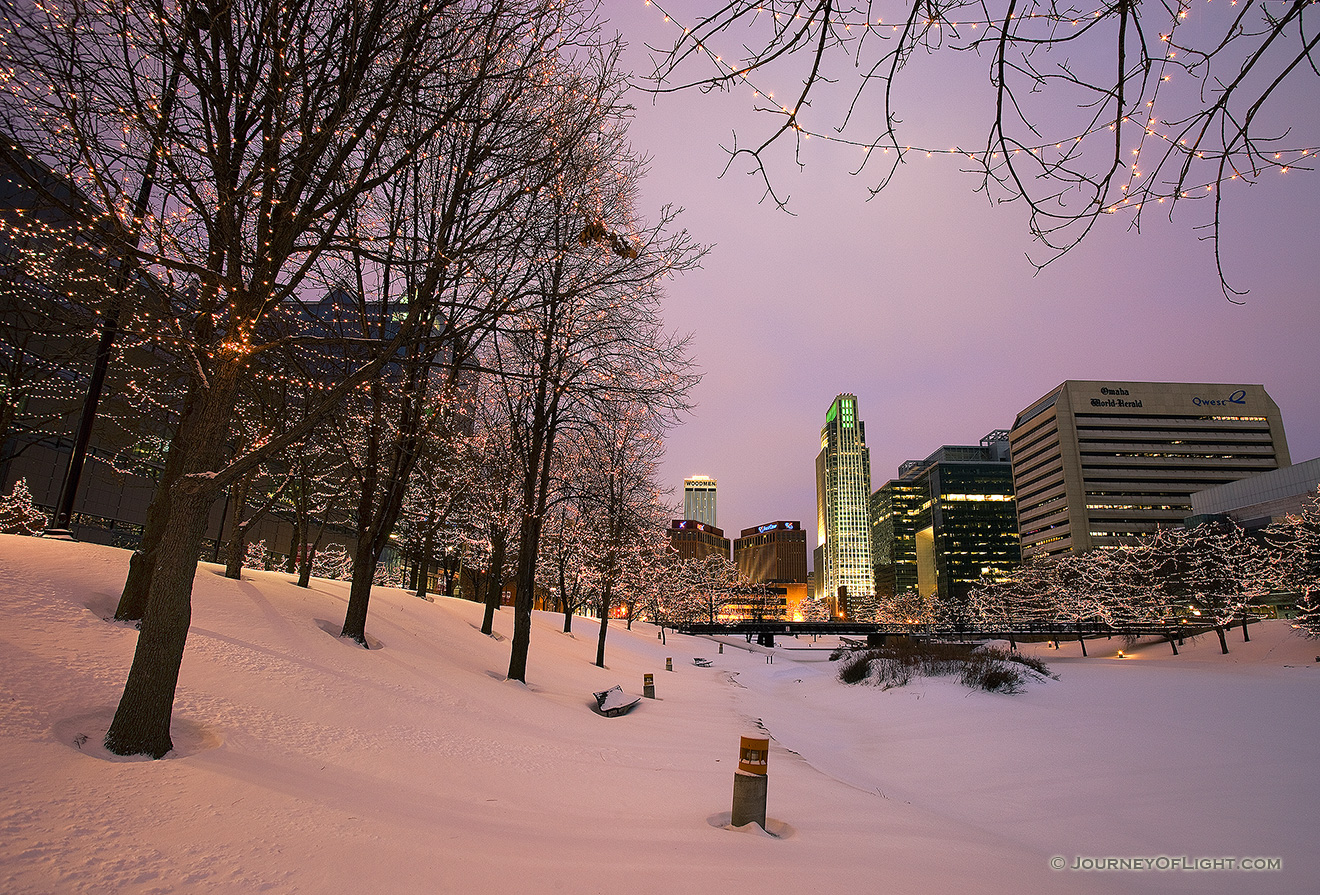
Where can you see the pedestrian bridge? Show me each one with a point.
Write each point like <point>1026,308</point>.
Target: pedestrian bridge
<point>764,632</point>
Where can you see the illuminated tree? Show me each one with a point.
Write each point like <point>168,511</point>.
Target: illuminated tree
<point>908,608</point>
<point>17,514</point>
<point>566,551</point>
<point>1211,573</point>
<point>281,119</point>
<point>615,485</point>
<point>699,589</point>
<point>1294,544</point>
<point>1113,108</point>
<point>496,500</point>
<point>814,610</point>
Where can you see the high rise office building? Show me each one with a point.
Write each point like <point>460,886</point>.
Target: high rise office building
<point>946,522</point>
<point>699,499</point>
<point>696,540</point>
<point>896,508</point>
<point>843,493</point>
<point>773,552</point>
<point>1096,464</point>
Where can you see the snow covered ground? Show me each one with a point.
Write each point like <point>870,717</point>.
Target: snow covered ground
<point>306,764</point>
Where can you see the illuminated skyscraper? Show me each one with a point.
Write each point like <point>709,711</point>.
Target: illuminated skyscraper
<point>699,499</point>
<point>843,493</point>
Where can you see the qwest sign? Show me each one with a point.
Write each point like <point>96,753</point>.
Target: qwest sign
<point>1238,397</point>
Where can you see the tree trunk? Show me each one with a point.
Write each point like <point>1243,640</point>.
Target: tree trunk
<point>305,569</point>
<point>1082,641</point>
<point>529,540</point>
<point>296,538</point>
<point>1173,642</point>
<point>494,580</point>
<point>450,564</point>
<point>565,603</point>
<point>1246,637</point>
<point>133,599</point>
<point>236,542</point>
<point>1223,641</point>
<point>604,626</point>
<point>423,569</point>
<point>141,724</point>
<point>309,557</point>
<point>365,560</point>
<point>142,721</point>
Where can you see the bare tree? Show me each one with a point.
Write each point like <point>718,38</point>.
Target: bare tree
<point>282,117</point>
<point>455,226</point>
<point>1114,108</point>
<point>593,335</point>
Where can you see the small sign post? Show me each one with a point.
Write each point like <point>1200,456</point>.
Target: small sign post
<point>750,781</point>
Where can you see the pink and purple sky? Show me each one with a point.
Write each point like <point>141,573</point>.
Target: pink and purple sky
<point>922,302</point>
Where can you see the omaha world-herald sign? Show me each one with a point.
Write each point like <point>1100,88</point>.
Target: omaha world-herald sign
<point>1175,396</point>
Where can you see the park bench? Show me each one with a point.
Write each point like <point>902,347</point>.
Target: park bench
<point>614,701</point>
<point>701,663</point>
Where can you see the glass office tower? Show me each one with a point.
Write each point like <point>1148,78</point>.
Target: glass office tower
<point>843,493</point>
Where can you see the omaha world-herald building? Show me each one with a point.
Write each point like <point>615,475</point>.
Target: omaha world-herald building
<point>1098,463</point>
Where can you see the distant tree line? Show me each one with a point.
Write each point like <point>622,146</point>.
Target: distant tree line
<point>1209,576</point>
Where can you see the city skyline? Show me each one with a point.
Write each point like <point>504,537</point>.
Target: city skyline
<point>922,301</point>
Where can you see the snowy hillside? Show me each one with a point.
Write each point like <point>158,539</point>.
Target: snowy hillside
<point>306,764</point>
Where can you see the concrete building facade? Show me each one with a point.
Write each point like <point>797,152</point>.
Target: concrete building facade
<point>1257,501</point>
<point>1097,463</point>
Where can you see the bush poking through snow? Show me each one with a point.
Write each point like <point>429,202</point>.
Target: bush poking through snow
<point>991,669</point>
<point>17,514</point>
<point>856,667</point>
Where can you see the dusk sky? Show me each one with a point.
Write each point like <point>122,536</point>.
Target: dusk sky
<point>922,302</point>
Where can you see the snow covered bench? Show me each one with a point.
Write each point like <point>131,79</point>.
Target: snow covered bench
<point>701,663</point>
<point>614,701</point>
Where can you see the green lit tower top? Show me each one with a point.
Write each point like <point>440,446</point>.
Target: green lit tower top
<point>843,493</point>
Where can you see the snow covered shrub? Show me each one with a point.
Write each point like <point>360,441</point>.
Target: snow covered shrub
<point>17,514</point>
<point>993,670</point>
<point>855,668</point>
<point>991,676</point>
<point>1035,663</point>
